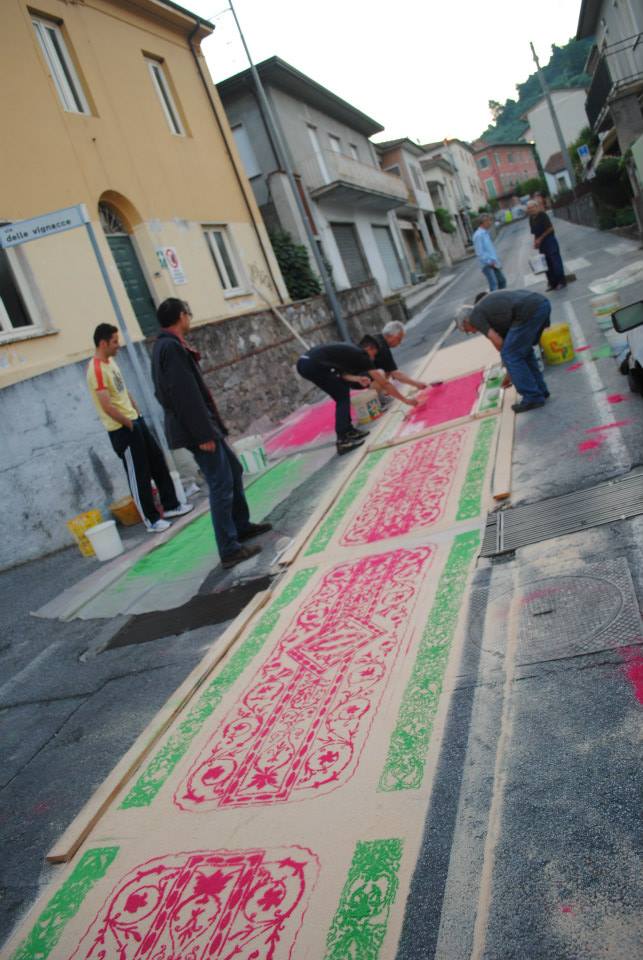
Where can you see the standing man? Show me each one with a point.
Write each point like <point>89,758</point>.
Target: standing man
<point>129,435</point>
<point>333,367</point>
<point>546,243</point>
<point>513,320</point>
<point>486,254</point>
<point>192,421</point>
<point>390,337</point>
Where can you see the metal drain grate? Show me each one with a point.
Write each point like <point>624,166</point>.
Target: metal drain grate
<point>510,529</point>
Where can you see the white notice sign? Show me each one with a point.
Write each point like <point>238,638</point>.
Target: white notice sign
<point>23,231</point>
<point>173,264</point>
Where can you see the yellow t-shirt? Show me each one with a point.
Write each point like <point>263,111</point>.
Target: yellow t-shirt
<point>105,375</point>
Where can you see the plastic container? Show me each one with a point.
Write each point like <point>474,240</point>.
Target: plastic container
<point>105,539</point>
<point>125,512</point>
<point>366,405</point>
<point>252,454</point>
<point>605,305</point>
<point>77,527</point>
<point>557,345</point>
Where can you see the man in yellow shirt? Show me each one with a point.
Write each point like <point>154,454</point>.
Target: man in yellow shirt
<point>130,437</point>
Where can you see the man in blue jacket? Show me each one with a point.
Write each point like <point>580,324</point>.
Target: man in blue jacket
<point>192,421</point>
<point>487,256</point>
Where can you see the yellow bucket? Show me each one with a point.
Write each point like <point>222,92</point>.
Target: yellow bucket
<point>78,525</point>
<point>557,345</point>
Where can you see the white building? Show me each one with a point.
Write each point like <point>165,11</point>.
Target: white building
<point>460,155</point>
<point>569,104</point>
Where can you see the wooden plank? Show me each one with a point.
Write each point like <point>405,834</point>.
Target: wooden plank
<point>80,827</point>
<point>501,484</point>
<point>437,428</point>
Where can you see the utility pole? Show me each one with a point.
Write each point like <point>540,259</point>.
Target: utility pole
<point>284,162</point>
<point>554,119</point>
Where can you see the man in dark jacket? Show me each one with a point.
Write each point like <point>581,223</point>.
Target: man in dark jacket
<point>192,421</point>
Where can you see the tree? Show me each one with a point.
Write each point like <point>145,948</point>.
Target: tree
<point>496,110</point>
<point>294,265</point>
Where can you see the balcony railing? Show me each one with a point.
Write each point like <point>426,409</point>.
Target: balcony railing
<point>599,91</point>
<point>326,167</point>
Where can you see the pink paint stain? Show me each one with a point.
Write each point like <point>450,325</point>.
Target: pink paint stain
<point>303,427</point>
<point>566,908</point>
<point>590,445</point>
<point>587,346</point>
<point>609,426</point>
<point>441,403</point>
<point>616,398</point>
<point>634,670</point>
<point>574,366</point>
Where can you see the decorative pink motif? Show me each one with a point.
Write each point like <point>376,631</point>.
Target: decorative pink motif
<point>304,426</point>
<point>219,905</point>
<point>302,721</point>
<point>443,402</point>
<point>411,493</point>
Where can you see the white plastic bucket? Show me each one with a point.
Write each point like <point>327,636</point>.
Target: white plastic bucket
<point>105,539</point>
<point>366,405</point>
<point>252,454</point>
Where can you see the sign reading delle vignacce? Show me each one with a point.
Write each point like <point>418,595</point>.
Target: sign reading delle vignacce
<point>22,231</point>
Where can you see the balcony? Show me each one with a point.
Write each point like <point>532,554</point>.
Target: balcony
<point>334,177</point>
<point>599,91</point>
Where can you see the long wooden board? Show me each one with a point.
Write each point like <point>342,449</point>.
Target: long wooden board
<point>501,484</point>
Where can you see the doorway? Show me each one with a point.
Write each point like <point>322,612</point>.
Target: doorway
<point>124,254</point>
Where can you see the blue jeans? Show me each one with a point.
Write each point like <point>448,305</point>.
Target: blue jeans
<point>228,505</point>
<point>334,386</point>
<point>518,355</point>
<point>495,278</point>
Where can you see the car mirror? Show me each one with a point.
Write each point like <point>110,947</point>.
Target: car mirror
<point>628,317</point>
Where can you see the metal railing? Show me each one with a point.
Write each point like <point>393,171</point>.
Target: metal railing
<point>325,167</point>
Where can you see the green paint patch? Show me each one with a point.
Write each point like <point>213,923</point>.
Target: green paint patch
<point>360,923</point>
<point>194,545</point>
<point>471,494</point>
<point>65,903</point>
<point>601,353</point>
<point>407,752</point>
<point>325,533</point>
<point>176,746</point>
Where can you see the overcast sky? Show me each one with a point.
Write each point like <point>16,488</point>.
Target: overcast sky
<point>420,73</point>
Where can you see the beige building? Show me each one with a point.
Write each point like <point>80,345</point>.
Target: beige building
<point>109,104</point>
<point>106,103</point>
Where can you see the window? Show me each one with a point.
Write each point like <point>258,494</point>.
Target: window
<point>510,158</point>
<point>491,188</point>
<point>354,151</point>
<point>394,169</point>
<point>246,151</point>
<point>335,142</point>
<point>60,66</point>
<point>162,88</point>
<point>417,179</point>
<point>483,163</point>
<point>224,261</point>
<point>13,312</point>
<point>496,157</point>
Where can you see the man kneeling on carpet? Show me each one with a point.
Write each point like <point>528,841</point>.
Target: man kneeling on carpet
<point>384,342</point>
<point>333,367</point>
<point>514,321</point>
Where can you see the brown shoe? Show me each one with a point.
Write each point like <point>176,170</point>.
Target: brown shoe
<point>254,530</point>
<point>243,553</point>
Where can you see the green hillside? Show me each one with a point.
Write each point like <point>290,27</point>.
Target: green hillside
<point>565,69</point>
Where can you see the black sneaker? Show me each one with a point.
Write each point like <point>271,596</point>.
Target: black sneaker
<point>527,405</point>
<point>355,434</point>
<point>346,444</point>
<point>254,530</point>
<point>243,553</point>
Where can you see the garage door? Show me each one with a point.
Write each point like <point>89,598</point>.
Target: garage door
<point>351,253</point>
<point>384,242</point>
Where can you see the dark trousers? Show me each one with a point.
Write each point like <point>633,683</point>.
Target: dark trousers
<point>144,461</point>
<point>334,386</point>
<point>228,505</point>
<point>518,355</point>
<point>551,251</point>
<point>495,278</point>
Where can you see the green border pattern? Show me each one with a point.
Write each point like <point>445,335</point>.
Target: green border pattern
<point>325,532</point>
<point>471,493</point>
<point>65,903</point>
<point>407,752</point>
<point>174,749</point>
<point>359,925</point>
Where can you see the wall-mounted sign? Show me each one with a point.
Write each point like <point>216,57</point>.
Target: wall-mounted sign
<point>169,259</point>
<point>44,226</point>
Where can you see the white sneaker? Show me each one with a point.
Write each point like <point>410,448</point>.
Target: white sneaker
<point>159,526</point>
<point>180,511</point>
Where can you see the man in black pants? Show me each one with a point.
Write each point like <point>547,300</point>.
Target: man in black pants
<point>192,421</point>
<point>333,367</point>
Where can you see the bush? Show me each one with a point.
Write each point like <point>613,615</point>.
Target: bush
<point>445,220</point>
<point>294,265</point>
<point>431,265</point>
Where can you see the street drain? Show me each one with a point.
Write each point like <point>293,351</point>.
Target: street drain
<point>201,611</point>
<point>507,530</point>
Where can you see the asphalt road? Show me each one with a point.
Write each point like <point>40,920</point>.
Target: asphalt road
<point>531,825</point>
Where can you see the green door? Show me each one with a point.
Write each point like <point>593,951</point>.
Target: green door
<point>135,283</point>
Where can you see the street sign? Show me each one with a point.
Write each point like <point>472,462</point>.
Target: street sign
<point>583,153</point>
<point>173,264</point>
<point>23,231</point>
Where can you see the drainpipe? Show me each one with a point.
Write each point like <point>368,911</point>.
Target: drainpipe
<point>249,207</point>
